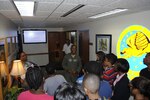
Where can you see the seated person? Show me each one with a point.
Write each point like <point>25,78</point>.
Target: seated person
<point>93,67</point>
<point>26,64</point>
<point>34,78</point>
<point>52,81</point>
<point>67,91</point>
<point>91,85</point>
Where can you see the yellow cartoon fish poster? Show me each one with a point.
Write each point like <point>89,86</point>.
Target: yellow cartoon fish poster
<point>133,44</point>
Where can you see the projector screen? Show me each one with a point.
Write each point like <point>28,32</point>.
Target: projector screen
<point>34,36</point>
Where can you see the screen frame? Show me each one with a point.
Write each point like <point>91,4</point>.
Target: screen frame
<point>34,30</point>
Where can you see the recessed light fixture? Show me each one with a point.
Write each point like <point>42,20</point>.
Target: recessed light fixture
<point>25,8</point>
<point>108,13</point>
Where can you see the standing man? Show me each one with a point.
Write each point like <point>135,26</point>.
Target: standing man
<point>72,65</point>
<point>67,47</point>
<point>146,71</point>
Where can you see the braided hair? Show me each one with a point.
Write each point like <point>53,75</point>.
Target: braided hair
<point>67,91</point>
<point>34,77</point>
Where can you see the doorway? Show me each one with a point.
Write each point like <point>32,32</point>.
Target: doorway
<point>56,41</point>
<point>84,45</point>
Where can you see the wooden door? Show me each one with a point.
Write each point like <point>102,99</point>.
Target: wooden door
<point>84,46</point>
<point>56,41</point>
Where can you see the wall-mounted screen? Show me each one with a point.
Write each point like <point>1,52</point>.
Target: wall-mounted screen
<point>34,36</point>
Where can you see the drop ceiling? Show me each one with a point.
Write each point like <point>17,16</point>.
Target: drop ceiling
<point>48,13</point>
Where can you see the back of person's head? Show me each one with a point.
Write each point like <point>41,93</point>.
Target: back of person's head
<point>138,81</point>
<point>93,67</point>
<point>101,57</point>
<point>142,84</point>
<point>122,65</point>
<point>91,83</point>
<point>34,77</point>
<point>112,58</point>
<point>67,91</point>
<point>50,68</point>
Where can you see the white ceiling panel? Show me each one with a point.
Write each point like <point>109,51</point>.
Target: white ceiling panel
<point>6,5</point>
<point>49,7</point>
<point>91,2</point>
<point>10,14</point>
<point>48,12</point>
<point>42,13</point>
<point>56,15</point>
<point>131,4</point>
<point>34,18</point>
<point>54,1</point>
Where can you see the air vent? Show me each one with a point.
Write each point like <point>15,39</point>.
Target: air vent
<point>73,10</point>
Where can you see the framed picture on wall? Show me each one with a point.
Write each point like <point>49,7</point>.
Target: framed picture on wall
<point>103,43</point>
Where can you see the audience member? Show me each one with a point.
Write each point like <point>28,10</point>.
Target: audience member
<point>34,78</point>
<point>121,84</point>
<point>93,67</point>
<point>139,88</point>
<point>23,57</point>
<point>109,73</point>
<point>52,81</point>
<point>72,65</point>
<point>67,47</point>
<point>67,91</point>
<point>100,57</point>
<point>146,71</point>
<point>91,85</point>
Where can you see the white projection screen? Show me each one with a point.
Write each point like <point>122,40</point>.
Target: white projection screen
<point>34,36</point>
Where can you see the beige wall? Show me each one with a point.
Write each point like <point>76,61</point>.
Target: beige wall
<point>112,26</point>
<point>7,28</point>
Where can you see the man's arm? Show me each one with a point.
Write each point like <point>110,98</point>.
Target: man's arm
<point>64,63</point>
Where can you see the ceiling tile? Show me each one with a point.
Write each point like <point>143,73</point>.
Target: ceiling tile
<point>10,14</point>
<point>49,7</point>
<point>42,13</point>
<point>54,1</point>
<point>56,15</point>
<point>91,2</point>
<point>6,5</point>
<point>48,12</point>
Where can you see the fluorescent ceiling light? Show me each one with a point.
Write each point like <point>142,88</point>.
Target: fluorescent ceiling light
<point>25,8</point>
<point>108,13</point>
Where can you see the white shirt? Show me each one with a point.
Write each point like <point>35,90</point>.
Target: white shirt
<point>66,48</point>
<point>118,78</point>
